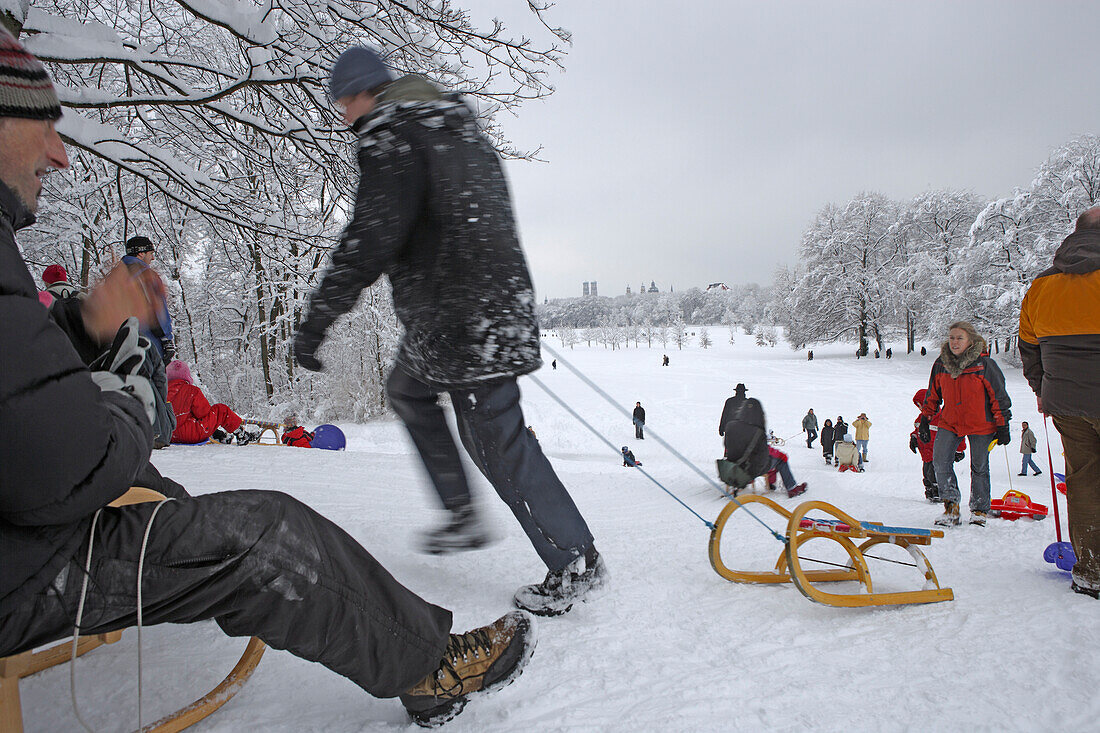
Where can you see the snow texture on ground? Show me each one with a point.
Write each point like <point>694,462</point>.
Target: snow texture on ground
<point>670,646</point>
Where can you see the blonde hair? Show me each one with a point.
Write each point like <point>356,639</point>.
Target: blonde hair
<point>967,326</point>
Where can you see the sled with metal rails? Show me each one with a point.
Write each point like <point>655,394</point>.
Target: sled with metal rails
<point>844,530</point>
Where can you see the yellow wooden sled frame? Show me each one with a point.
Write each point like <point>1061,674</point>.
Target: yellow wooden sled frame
<point>18,666</point>
<point>842,529</point>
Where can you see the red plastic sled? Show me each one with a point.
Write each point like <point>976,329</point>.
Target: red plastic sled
<point>1016,504</point>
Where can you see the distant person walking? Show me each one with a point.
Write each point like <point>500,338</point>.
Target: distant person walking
<point>1028,446</point>
<point>554,364</point>
<point>639,421</point>
<point>827,441</point>
<point>664,361</point>
<point>729,409</point>
<point>809,424</point>
<point>863,434</point>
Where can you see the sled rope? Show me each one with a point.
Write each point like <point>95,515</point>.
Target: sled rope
<point>598,390</point>
<point>140,569</point>
<point>869,557</point>
<point>79,618</point>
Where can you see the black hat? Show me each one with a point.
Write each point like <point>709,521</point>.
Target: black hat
<point>741,388</point>
<point>137,245</point>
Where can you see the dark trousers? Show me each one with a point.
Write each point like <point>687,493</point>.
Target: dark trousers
<point>929,472</point>
<point>943,457</point>
<point>260,563</point>
<point>811,436</point>
<point>784,472</point>
<point>1081,439</point>
<point>491,427</point>
<point>639,433</point>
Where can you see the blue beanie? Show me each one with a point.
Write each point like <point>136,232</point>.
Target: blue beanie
<point>357,70</point>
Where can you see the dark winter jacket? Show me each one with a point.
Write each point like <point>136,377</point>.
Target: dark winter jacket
<point>971,389</point>
<point>827,439</point>
<point>840,429</point>
<point>729,409</point>
<point>639,414</point>
<point>1060,329</point>
<point>54,473</point>
<point>434,214</point>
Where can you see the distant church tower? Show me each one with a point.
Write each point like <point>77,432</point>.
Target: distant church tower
<point>585,288</point>
<point>628,290</point>
<point>593,289</point>
<point>653,287</point>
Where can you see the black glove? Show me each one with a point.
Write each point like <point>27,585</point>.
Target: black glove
<point>959,455</point>
<point>306,344</point>
<point>913,443</point>
<point>125,368</point>
<point>1003,436</point>
<point>924,432</point>
<point>168,349</point>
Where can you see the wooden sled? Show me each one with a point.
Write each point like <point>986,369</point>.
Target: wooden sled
<point>266,427</point>
<point>842,529</point>
<point>18,666</point>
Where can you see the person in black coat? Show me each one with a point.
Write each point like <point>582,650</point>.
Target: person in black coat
<point>433,213</point>
<point>639,421</point>
<point>729,409</point>
<point>259,563</point>
<point>827,440</point>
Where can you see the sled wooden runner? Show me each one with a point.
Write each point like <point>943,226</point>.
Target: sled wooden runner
<point>842,529</point>
<point>17,666</point>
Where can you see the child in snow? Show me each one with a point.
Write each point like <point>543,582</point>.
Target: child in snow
<point>196,419</point>
<point>296,435</point>
<point>931,488</point>
<point>629,459</point>
<point>827,441</point>
<point>779,464</point>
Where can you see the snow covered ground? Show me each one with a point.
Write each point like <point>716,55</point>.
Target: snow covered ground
<point>670,646</point>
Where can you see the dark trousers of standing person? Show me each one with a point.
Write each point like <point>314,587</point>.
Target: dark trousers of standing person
<point>639,432</point>
<point>259,563</point>
<point>1081,439</point>
<point>811,436</point>
<point>943,457</point>
<point>491,427</point>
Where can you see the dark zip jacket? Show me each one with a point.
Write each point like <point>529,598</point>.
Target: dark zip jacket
<point>54,473</point>
<point>433,213</point>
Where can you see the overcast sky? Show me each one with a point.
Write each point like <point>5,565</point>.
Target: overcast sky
<point>692,142</point>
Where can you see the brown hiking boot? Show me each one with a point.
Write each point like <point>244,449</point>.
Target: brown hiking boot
<point>978,518</point>
<point>473,663</point>
<point>950,517</point>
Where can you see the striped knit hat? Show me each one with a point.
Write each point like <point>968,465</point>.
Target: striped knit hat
<point>25,87</point>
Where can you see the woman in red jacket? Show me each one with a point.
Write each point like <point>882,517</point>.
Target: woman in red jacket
<point>971,388</point>
<point>196,418</point>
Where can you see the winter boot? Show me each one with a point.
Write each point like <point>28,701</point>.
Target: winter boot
<point>1077,588</point>
<point>557,593</point>
<point>221,436</point>
<point>932,494</point>
<point>465,530</point>
<point>978,518</point>
<point>244,437</point>
<point>796,490</point>
<point>950,516</point>
<point>474,663</point>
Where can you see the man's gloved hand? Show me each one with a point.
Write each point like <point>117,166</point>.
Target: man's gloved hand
<point>168,348</point>
<point>924,431</point>
<point>913,443</point>
<point>306,344</point>
<point>124,368</point>
<point>959,455</point>
<point>1003,436</point>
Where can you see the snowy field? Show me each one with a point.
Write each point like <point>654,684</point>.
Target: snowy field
<point>670,646</point>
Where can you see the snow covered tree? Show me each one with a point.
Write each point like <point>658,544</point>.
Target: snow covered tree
<point>704,338</point>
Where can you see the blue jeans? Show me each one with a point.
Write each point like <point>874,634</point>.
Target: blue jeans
<point>943,457</point>
<point>862,446</point>
<point>492,430</point>
<point>1029,461</point>
<point>784,472</point>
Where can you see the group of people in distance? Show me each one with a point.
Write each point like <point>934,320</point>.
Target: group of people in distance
<point>261,563</point>
<point>834,435</point>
